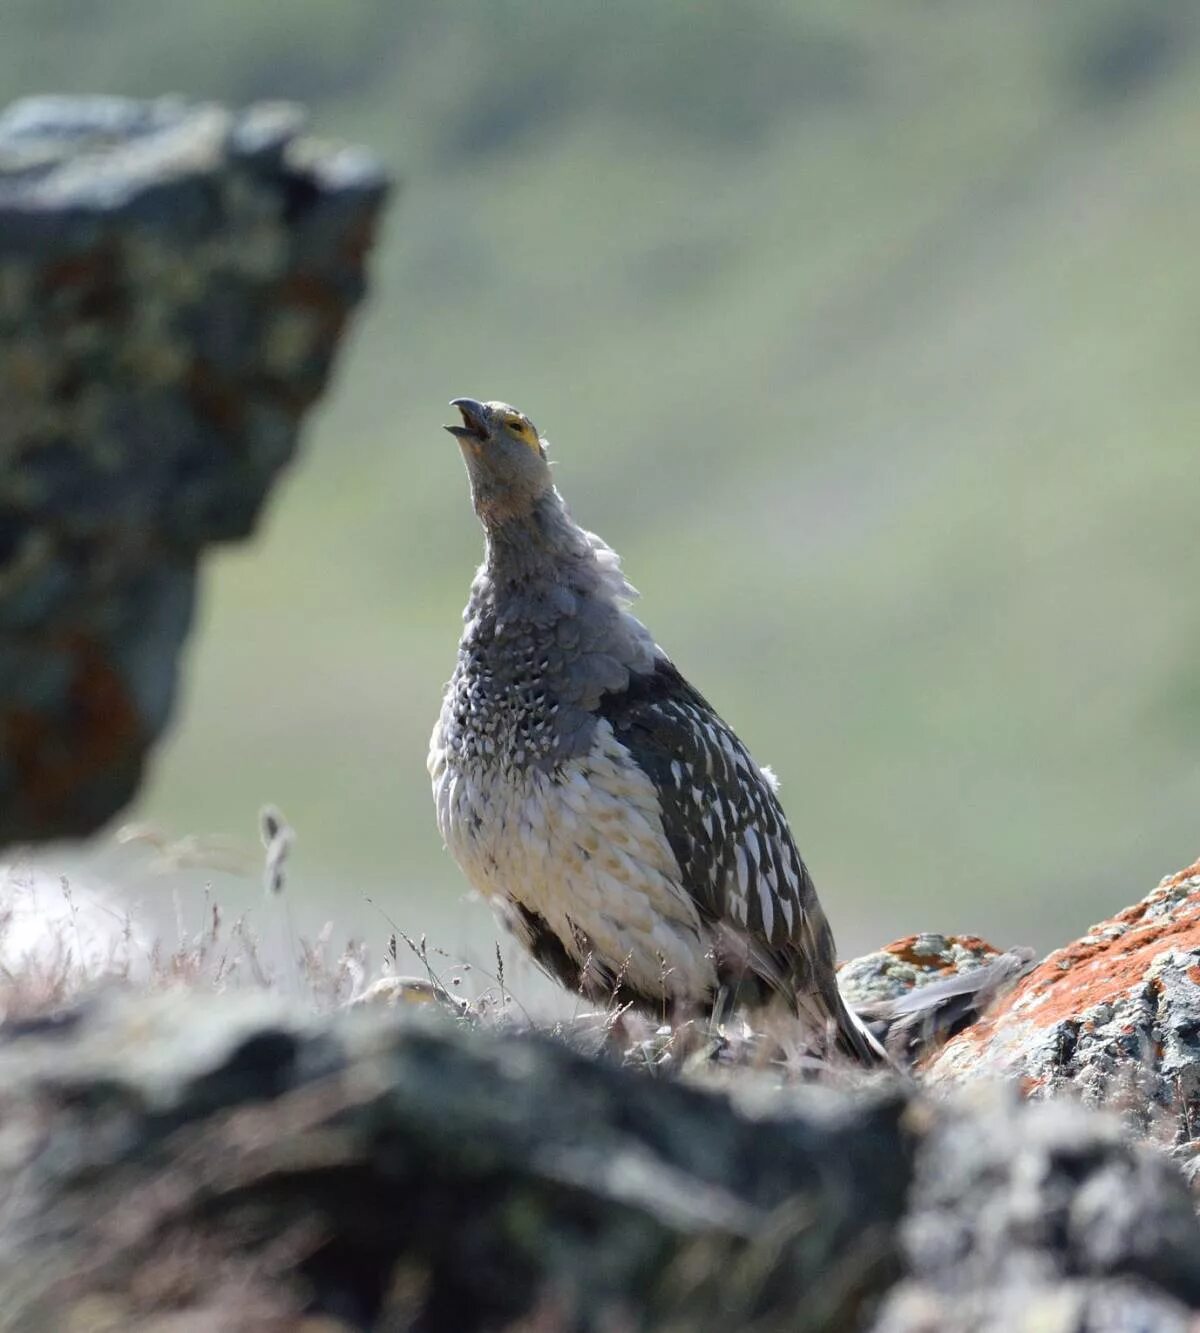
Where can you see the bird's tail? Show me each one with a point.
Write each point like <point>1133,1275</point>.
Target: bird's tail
<point>854,1039</point>
<point>821,999</point>
<point>824,1011</point>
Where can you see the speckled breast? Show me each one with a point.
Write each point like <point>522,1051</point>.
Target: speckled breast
<point>579,842</point>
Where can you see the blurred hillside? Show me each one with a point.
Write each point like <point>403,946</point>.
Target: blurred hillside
<point>867,334</point>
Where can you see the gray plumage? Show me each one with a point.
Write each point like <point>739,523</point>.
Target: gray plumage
<point>613,819</point>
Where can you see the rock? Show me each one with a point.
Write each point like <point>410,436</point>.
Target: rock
<point>903,965</point>
<point>193,1160</point>
<point>393,990</point>
<point>218,1158</point>
<point>1113,1018</point>
<point>175,279</point>
<point>1070,1306</point>
<point>1043,1217</point>
<point>919,991</point>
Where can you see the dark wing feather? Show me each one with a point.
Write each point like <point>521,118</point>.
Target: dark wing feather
<point>725,826</point>
<point>738,861</point>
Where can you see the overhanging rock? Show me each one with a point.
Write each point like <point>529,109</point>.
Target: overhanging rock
<point>175,280</point>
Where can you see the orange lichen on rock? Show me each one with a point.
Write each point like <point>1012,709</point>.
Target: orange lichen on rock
<point>1095,969</point>
<point>1115,1010</point>
<point>105,737</point>
<point>1182,876</point>
<point>909,950</point>
<point>132,445</point>
<point>1108,962</point>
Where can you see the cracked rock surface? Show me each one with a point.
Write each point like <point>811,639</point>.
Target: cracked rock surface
<point>175,280</point>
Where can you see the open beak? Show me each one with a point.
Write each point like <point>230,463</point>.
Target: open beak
<point>474,416</point>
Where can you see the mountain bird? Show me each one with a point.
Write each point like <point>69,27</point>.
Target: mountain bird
<point>593,796</point>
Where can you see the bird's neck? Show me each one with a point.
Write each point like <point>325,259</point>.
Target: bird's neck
<point>539,543</point>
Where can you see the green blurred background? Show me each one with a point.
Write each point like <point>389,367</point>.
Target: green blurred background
<point>867,333</point>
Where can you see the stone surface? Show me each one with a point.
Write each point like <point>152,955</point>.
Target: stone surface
<point>1114,1018</point>
<point>1097,1305</point>
<point>1043,1217</point>
<point>917,992</point>
<point>174,282</point>
<point>915,960</point>
<point>216,1158</point>
<point>188,1160</point>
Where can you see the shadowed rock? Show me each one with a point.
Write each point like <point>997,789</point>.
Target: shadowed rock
<point>197,1161</point>
<point>174,282</point>
<point>210,1155</point>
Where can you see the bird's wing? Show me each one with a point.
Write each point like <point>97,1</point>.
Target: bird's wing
<point>723,821</point>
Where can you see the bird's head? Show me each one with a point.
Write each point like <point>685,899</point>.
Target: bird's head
<point>505,458</point>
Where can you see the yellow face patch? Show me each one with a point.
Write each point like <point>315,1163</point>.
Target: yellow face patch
<point>517,425</point>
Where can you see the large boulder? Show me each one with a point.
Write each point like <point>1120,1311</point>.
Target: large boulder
<point>1112,1018</point>
<point>175,279</point>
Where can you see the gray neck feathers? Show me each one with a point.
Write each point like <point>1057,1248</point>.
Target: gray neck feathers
<point>545,542</point>
<point>543,550</point>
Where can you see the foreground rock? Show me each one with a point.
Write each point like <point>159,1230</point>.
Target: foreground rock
<point>190,1161</point>
<point>1114,1018</point>
<point>174,282</point>
<point>207,1154</point>
<point>1042,1217</point>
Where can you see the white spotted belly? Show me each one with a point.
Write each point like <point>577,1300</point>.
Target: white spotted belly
<point>586,851</point>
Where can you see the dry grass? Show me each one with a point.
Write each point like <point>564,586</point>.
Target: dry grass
<point>59,942</point>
